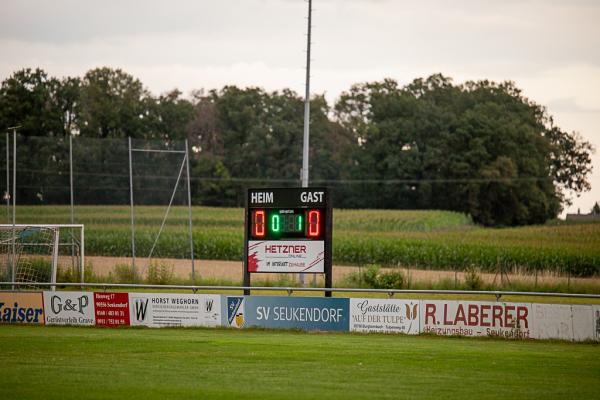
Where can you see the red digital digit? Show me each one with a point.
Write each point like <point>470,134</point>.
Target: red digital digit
<point>258,223</point>
<point>314,223</point>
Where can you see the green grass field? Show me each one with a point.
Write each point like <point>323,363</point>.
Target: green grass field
<point>420,239</point>
<point>98,363</point>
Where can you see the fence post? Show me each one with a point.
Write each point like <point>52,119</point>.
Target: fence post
<point>131,209</point>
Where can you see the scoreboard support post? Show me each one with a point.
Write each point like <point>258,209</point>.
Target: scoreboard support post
<point>288,230</point>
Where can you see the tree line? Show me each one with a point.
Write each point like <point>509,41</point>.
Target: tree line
<point>480,148</point>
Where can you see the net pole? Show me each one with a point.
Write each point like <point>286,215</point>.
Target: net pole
<point>82,257</point>
<point>55,257</point>
<point>71,176</point>
<point>14,212</point>
<point>72,236</point>
<point>189,196</point>
<point>7,178</point>
<point>131,209</point>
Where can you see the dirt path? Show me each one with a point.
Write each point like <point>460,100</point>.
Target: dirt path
<point>232,271</point>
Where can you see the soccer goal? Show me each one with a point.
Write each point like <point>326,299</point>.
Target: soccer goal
<point>33,253</point>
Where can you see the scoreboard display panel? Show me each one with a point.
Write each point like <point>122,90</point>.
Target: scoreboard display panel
<point>288,230</point>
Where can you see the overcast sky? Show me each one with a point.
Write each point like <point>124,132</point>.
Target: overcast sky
<point>550,48</point>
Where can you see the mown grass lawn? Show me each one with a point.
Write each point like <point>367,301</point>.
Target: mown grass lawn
<point>76,363</point>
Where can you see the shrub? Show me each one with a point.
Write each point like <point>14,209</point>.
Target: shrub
<point>159,274</point>
<point>473,280</point>
<point>124,273</point>
<point>390,280</point>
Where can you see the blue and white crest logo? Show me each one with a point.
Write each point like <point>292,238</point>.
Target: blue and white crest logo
<point>235,311</point>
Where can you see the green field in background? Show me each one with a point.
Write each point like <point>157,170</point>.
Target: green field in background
<point>100,363</point>
<point>420,239</point>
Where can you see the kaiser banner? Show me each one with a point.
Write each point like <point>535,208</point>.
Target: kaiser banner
<point>384,315</point>
<point>21,308</point>
<point>286,256</point>
<point>306,313</point>
<point>69,308</point>
<point>470,318</point>
<point>167,309</point>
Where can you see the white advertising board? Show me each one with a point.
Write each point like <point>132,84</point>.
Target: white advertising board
<point>552,321</point>
<point>563,321</point>
<point>384,315</point>
<point>290,256</point>
<point>170,309</point>
<point>583,322</point>
<point>69,308</point>
<point>473,318</point>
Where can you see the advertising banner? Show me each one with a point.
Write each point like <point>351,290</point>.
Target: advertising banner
<point>552,321</point>
<point>21,308</point>
<point>170,309</point>
<point>583,322</point>
<point>286,256</point>
<point>384,315</point>
<point>307,313</point>
<point>111,309</point>
<point>473,318</point>
<point>69,308</point>
<point>563,321</point>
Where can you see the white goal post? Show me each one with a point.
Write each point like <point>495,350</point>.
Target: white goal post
<point>31,253</point>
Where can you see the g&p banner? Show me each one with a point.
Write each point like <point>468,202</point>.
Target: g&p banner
<point>69,308</point>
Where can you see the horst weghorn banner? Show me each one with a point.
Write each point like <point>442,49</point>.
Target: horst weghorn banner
<point>384,315</point>
<point>69,308</point>
<point>169,309</point>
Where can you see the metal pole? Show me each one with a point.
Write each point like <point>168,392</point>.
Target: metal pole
<point>305,146</point>
<point>7,178</point>
<point>72,202</point>
<point>189,195</point>
<point>55,257</point>
<point>131,208</point>
<point>82,258</point>
<point>71,174</point>
<point>14,199</point>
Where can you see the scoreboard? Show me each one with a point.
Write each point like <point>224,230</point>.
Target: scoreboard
<point>288,230</point>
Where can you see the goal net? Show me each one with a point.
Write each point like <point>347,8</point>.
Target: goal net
<point>38,253</point>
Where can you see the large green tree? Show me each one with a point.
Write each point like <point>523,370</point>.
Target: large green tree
<point>112,104</point>
<point>252,137</point>
<point>30,99</point>
<point>480,148</point>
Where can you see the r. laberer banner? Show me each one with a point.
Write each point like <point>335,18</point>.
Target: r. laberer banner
<point>69,308</point>
<point>307,313</point>
<point>384,315</point>
<point>21,308</point>
<point>472,318</point>
<point>169,309</point>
